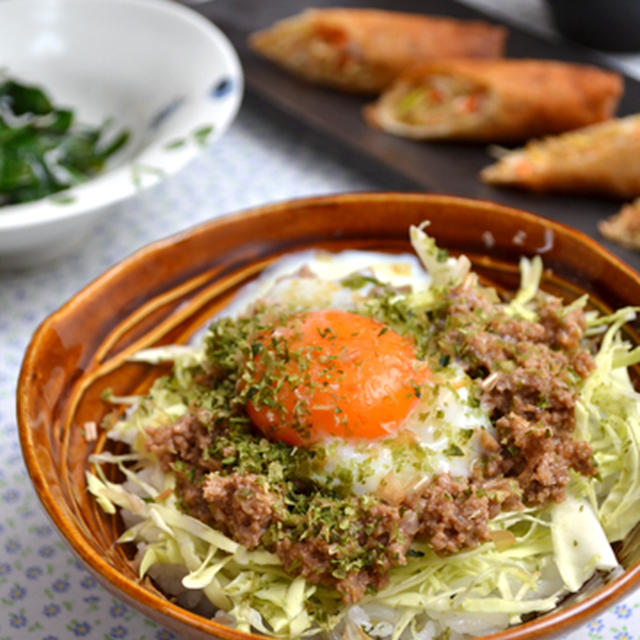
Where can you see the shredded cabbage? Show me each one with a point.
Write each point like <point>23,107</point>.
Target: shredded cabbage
<point>530,274</point>
<point>537,556</point>
<point>445,270</point>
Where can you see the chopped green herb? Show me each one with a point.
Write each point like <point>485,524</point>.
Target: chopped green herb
<point>175,144</point>
<point>202,134</point>
<point>42,150</point>
<point>106,394</point>
<point>358,280</point>
<point>453,450</point>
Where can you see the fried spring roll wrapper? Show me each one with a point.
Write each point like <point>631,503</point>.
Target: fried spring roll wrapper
<point>601,159</point>
<point>363,50</point>
<point>495,100</point>
<point>624,226</point>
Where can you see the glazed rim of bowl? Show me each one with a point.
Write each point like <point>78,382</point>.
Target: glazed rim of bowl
<point>271,230</point>
<point>116,184</point>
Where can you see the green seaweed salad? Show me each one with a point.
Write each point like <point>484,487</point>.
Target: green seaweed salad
<point>42,149</point>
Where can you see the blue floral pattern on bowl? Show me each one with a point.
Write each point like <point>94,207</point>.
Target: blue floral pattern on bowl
<point>163,114</point>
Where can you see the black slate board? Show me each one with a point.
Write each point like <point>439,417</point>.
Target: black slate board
<point>437,167</point>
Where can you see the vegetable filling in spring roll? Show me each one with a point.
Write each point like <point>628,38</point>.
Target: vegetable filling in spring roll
<point>495,100</point>
<point>364,50</point>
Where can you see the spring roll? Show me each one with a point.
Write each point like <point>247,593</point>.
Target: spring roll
<point>363,50</point>
<point>495,100</point>
<point>601,159</point>
<point>624,226</point>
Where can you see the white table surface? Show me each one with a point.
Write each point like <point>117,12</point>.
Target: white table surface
<point>45,593</point>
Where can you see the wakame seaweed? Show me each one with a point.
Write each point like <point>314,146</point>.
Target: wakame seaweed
<point>42,149</point>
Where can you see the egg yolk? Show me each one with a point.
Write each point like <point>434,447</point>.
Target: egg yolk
<point>333,373</point>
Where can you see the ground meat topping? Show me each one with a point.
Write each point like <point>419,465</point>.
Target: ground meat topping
<point>240,506</point>
<point>563,330</point>
<point>539,461</point>
<point>529,373</point>
<point>184,440</point>
<point>453,513</point>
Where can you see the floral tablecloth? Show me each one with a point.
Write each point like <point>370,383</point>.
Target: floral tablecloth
<point>45,593</point>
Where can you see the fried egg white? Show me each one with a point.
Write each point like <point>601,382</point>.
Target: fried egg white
<point>311,279</point>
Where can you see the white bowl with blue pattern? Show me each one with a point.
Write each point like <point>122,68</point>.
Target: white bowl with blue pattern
<point>157,68</point>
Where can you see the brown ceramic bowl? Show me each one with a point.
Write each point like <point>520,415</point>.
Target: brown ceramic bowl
<point>164,292</point>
